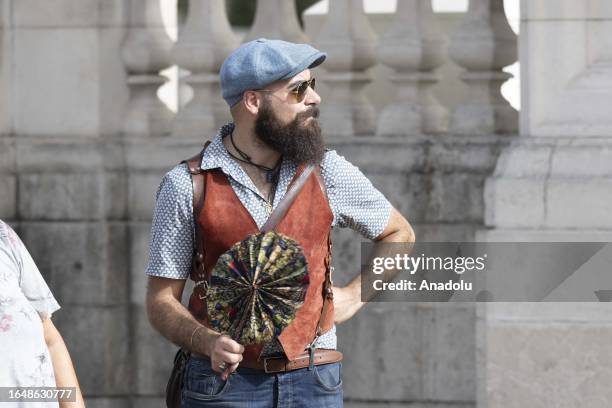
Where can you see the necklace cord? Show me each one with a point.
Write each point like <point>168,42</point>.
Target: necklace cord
<point>272,173</point>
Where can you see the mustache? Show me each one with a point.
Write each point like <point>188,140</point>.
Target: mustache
<point>311,112</point>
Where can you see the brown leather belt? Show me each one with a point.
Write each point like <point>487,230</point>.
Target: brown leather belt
<point>281,364</point>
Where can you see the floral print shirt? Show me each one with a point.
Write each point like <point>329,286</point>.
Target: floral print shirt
<point>25,301</point>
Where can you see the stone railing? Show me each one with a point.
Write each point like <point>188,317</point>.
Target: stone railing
<point>412,45</point>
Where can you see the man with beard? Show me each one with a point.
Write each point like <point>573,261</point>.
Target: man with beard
<point>248,168</point>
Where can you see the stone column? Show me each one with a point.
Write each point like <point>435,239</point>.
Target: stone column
<point>347,37</point>
<point>414,47</point>
<point>203,44</point>
<point>276,19</point>
<point>554,184</point>
<point>574,95</point>
<point>484,44</point>
<point>556,176</point>
<point>145,52</point>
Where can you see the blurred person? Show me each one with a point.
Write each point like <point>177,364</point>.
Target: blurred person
<point>33,353</point>
<point>248,168</point>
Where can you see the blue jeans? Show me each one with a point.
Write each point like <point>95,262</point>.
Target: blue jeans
<point>249,388</point>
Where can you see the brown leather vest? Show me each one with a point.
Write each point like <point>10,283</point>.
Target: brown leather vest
<point>224,221</point>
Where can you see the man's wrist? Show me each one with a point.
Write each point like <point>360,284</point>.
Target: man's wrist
<point>193,335</point>
<point>203,341</point>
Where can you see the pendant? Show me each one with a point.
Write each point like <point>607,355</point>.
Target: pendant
<point>268,208</point>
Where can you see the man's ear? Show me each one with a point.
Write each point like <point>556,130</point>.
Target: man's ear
<point>250,100</point>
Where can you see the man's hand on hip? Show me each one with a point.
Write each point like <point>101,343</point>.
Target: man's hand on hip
<point>347,301</point>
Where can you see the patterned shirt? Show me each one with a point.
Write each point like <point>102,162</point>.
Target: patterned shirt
<point>25,301</point>
<point>354,201</point>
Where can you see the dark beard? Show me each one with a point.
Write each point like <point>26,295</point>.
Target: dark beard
<point>297,141</point>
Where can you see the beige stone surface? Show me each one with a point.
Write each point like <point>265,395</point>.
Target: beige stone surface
<point>93,402</point>
<point>140,234</point>
<point>8,196</point>
<point>409,352</point>
<point>91,96</point>
<point>592,159</point>
<point>566,88</point>
<point>581,202</point>
<point>524,161</point>
<point>545,365</point>
<point>406,404</point>
<point>144,402</point>
<point>544,235</point>
<point>6,69</point>
<point>68,13</point>
<point>142,193</point>
<point>550,10</point>
<point>57,196</point>
<point>506,202</point>
<point>84,263</point>
<point>97,337</point>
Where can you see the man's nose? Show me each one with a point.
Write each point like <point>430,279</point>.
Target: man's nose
<point>312,97</point>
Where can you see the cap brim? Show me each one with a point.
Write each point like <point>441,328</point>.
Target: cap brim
<point>312,61</point>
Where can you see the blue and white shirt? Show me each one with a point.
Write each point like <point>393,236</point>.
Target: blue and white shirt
<point>354,201</point>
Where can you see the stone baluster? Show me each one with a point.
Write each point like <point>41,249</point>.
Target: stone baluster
<point>347,37</point>
<point>484,44</point>
<point>276,19</point>
<point>203,44</point>
<point>413,47</point>
<point>145,52</point>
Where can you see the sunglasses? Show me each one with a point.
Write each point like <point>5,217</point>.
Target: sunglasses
<point>302,87</point>
<point>299,90</point>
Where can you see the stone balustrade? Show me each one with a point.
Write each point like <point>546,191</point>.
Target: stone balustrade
<point>412,46</point>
